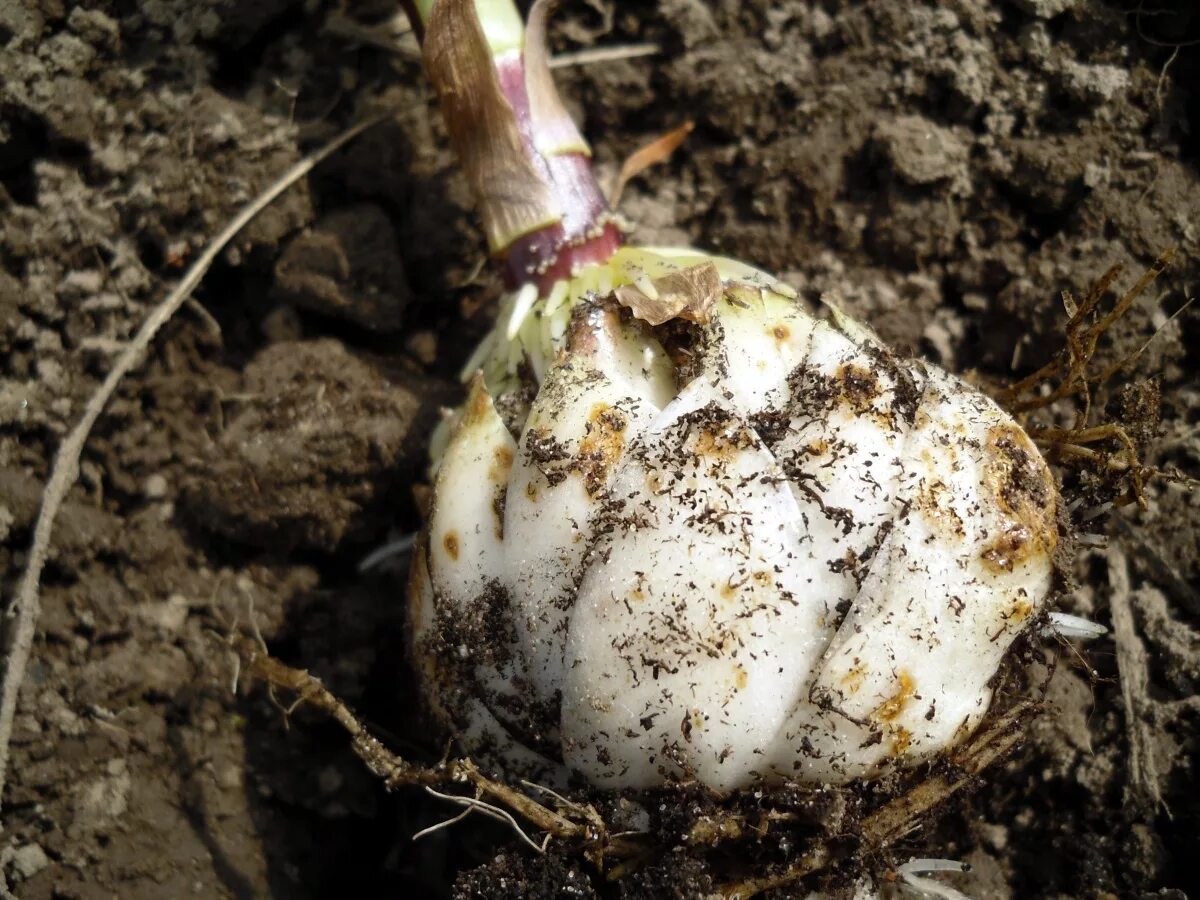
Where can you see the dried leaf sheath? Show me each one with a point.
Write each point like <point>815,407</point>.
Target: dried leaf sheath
<point>514,199</point>
<point>554,130</point>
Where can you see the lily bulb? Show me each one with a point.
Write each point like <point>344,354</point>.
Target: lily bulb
<point>687,526</point>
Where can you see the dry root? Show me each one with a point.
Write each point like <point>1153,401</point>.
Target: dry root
<point>579,828</point>
<point>1111,452</point>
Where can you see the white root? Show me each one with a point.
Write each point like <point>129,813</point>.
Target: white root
<point>398,548</point>
<point>912,872</point>
<point>1065,625</point>
<point>471,804</point>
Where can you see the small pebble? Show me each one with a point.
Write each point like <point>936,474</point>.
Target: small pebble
<point>154,487</point>
<point>27,861</point>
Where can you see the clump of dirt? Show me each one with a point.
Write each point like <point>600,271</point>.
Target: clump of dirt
<point>348,265</point>
<point>319,445</point>
<point>947,169</point>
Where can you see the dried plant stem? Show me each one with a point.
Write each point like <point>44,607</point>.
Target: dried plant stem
<point>878,830</point>
<point>390,767</point>
<point>1133,665</point>
<point>592,55</point>
<point>25,607</point>
<point>1083,336</point>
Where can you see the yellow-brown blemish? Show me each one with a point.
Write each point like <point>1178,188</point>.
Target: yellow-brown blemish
<point>763,578</point>
<point>499,498</point>
<point>502,461</point>
<point>901,739</point>
<point>710,444</point>
<point>479,403</point>
<point>586,328</point>
<point>740,678</point>
<point>933,499</point>
<point>781,333</point>
<point>1018,612</point>
<point>1006,551</point>
<point>450,543</point>
<point>891,708</point>
<point>601,446</point>
<point>654,482</point>
<point>721,444</point>
<point>1022,487</point>
<point>531,491</point>
<point>728,592</point>
<point>853,680</point>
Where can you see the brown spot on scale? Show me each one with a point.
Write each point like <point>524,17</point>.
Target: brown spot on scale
<point>502,461</point>
<point>901,739</point>
<point>1021,485</point>
<point>1018,611</point>
<point>933,499</point>
<point>590,323</point>
<point>450,544</point>
<point>740,678</point>
<point>1007,551</point>
<point>479,402</point>
<point>531,491</point>
<point>602,445</point>
<point>728,592</point>
<point>781,333</point>
<point>853,680</point>
<point>891,708</point>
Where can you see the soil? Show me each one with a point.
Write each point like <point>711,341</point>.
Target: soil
<point>948,168</point>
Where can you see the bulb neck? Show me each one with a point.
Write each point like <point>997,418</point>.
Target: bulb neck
<point>529,168</point>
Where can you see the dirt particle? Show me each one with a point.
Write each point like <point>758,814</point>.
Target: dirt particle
<point>347,266</point>
<point>27,861</point>
<point>922,152</point>
<point>859,387</point>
